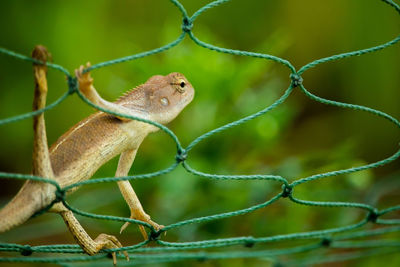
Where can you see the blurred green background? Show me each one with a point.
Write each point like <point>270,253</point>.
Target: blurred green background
<point>298,139</point>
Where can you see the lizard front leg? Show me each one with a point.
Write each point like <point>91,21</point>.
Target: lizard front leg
<point>87,89</point>
<point>125,162</point>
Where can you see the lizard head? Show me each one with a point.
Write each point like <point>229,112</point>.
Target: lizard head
<point>162,98</point>
<point>167,96</point>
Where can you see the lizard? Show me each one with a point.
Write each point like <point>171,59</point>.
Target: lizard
<point>92,142</point>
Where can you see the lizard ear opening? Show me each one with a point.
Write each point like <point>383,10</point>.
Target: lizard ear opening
<point>164,101</point>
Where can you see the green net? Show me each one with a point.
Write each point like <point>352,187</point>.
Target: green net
<point>345,237</point>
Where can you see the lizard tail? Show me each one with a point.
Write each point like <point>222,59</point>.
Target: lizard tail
<point>27,202</point>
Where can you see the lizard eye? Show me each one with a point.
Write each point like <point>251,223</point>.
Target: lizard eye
<point>180,85</point>
<point>164,101</point>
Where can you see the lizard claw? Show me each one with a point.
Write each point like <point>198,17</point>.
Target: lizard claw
<point>84,78</point>
<point>110,242</point>
<point>145,218</point>
<point>86,83</point>
<point>123,227</point>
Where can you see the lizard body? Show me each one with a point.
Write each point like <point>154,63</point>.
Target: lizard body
<point>82,150</point>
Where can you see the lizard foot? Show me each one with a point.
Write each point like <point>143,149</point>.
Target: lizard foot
<point>90,246</point>
<point>145,218</point>
<point>84,79</point>
<point>108,242</point>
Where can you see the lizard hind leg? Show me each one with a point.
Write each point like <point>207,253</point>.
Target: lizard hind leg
<point>90,246</point>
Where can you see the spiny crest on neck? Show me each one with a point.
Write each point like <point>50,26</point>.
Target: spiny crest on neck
<point>134,93</point>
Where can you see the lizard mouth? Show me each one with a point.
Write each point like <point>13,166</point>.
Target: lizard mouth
<point>188,96</point>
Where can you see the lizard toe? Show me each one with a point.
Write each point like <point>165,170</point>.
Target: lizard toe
<point>110,242</point>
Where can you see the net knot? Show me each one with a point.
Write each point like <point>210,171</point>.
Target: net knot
<point>287,190</point>
<point>249,243</point>
<point>296,79</point>
<point>26,250</point>
<point>373,216</point>
<point>154,235</point>
<point>187,24</point>
<point>181,156</point>
<point>326,241</point>
<point>60,195</point>
<point>109,255</point>
<point>72,85</point>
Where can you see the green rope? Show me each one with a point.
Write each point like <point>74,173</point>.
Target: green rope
<point>318,240</point>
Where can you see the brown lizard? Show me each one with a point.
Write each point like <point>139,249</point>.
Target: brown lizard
<point>92,142</point>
